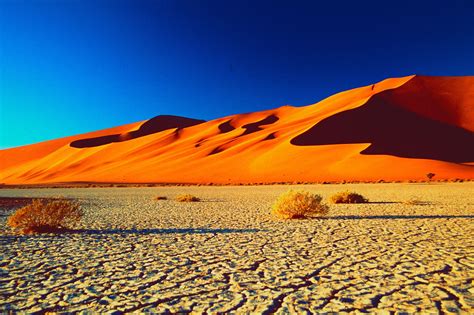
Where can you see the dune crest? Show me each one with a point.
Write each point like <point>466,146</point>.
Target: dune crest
<point>396,129</point>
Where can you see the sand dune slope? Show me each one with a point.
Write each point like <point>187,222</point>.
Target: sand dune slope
<point>397,129</point>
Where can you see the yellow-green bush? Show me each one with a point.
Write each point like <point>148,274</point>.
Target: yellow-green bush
<point>298,204</point>
<point>43,216</point>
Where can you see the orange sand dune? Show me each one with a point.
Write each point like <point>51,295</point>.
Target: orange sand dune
<point>397,129</point>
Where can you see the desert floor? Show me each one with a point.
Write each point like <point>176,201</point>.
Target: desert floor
<point>228,254</point>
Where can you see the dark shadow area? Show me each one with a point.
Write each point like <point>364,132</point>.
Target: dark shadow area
<point>395,217</point>
<point>200,142</point>
<point>392,130</point>
<point>249,128</point>
<point>216,150</point>
<point>254,127</point>
<point>269,137</point>
<point>154,125</point>
<point>226,127</point>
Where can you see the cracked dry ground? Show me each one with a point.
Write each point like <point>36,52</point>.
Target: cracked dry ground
<point>227,254</point>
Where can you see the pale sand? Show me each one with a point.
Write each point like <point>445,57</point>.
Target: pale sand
<point>227,254</point>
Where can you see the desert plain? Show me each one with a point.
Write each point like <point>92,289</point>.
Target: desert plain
<point>228,254</point>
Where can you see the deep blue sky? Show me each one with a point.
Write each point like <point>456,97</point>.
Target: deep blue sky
<point>73,66</point>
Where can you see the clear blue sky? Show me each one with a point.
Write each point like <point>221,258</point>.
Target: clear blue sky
<point>73,66</point>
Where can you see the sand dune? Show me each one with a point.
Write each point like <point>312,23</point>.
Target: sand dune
<point>397,129</point>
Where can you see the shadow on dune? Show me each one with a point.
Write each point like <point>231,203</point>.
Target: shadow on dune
<point>226,127</point>
<point>254,127</point>
<point>249,128</point>
<point>392,130</point>
<point>154,125</point>
<point>395,217</point>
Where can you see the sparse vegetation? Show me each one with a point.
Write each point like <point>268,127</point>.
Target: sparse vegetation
<point>298,204</point>
<point>45,216</point>
<point>430,176</point>
<point>187,198</point>
<point>348,197</point>
<point>161,198</point>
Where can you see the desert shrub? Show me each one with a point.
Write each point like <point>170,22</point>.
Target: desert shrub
<point>161,198</point>
<point>43,216</point>
<point>348,197</point>
<point>187,198</point>
<point>298,204</point>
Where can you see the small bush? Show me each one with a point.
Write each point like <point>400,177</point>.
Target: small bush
<point>161,198</point>
<point>348,197</point>
<point>42,216</point>
<point>187,198</point>
<point>298,204</point>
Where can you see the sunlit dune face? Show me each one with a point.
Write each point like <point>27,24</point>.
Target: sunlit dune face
<point>397,129</point>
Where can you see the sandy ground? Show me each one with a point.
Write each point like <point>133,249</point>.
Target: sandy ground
<point>227,254</point>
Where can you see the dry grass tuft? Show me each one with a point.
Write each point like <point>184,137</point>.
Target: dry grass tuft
<point>43,216</point>
<point>298,204</point>
<point>161,198</point>
<point>187,198</point>
<point>348,197</point>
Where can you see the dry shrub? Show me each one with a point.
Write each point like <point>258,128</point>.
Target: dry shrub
<point>298,204</point>
<point>187,198</point>
<point>348,197</point>
<point>161,198</point>
<point>43,216</point>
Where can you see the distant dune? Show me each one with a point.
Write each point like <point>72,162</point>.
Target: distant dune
<point>397,129</point>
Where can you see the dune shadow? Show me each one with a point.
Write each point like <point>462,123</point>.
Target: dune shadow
<point>254,127</point>
<point>395,217</point>
<point>249,128</point>
<point>154,125</point>
<point>226,127</point>
<point>270,136</point>
<point>392,130</point>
